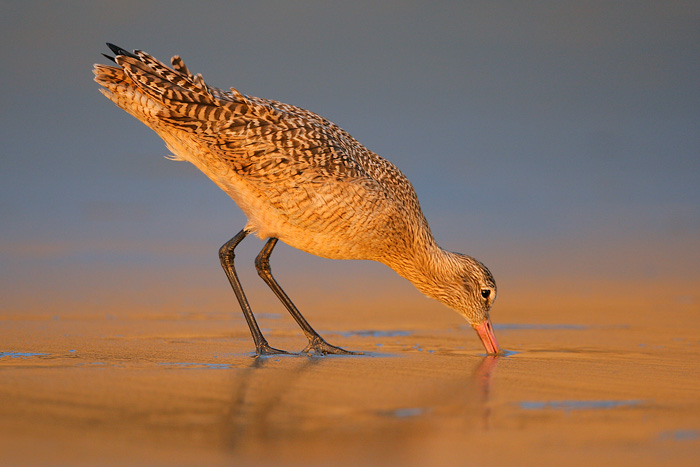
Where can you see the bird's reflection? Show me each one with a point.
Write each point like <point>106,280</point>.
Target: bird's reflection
<point>482,377</point>
<point>287,398</point>
<point>259,392</point>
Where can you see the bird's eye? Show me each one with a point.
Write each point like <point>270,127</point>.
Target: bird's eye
<point>485,293</point>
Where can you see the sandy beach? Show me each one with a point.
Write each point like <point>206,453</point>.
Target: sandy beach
<point>555,142</point>
<point>141,387</point>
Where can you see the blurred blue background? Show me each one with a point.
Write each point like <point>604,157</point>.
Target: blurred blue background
<point>552,140</point>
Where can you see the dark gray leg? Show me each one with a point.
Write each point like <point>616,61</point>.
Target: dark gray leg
<point>316,342</point>
<point>226,256</point>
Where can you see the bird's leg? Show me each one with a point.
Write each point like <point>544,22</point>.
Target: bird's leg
<point>316,343</point>
<point>226,256</point>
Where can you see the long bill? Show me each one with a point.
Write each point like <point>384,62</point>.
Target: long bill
<point>487,337</point>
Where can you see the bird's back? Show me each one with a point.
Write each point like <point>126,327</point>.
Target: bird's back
<point>296,175</point>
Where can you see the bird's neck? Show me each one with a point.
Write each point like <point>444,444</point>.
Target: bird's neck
<point>426,267</point>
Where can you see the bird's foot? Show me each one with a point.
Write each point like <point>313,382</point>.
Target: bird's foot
<point>317,346</point>
<point>264,350</point>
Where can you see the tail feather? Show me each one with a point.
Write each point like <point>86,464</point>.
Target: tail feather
<point>198,90</point>
<point>175,88</point>
<point>119,51</point>
<point>119,88</point>
<point>159,95</point>
<point>180,66</point>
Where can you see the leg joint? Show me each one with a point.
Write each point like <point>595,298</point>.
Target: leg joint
<point>262,263</point>
<point>226,254</point>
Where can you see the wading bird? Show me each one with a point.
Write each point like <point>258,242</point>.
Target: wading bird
<point>300,179</point>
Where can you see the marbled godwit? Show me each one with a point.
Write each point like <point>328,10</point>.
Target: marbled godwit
<point>300,179</point>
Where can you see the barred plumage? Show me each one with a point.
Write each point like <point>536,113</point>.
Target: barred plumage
<point>298,178</point>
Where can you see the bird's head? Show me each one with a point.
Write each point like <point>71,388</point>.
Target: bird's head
<point>467,286</point>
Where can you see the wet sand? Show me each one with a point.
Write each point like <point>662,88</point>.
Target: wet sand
<point>590,380</point>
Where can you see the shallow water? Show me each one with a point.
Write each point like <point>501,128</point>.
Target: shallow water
<point>138,388</point>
